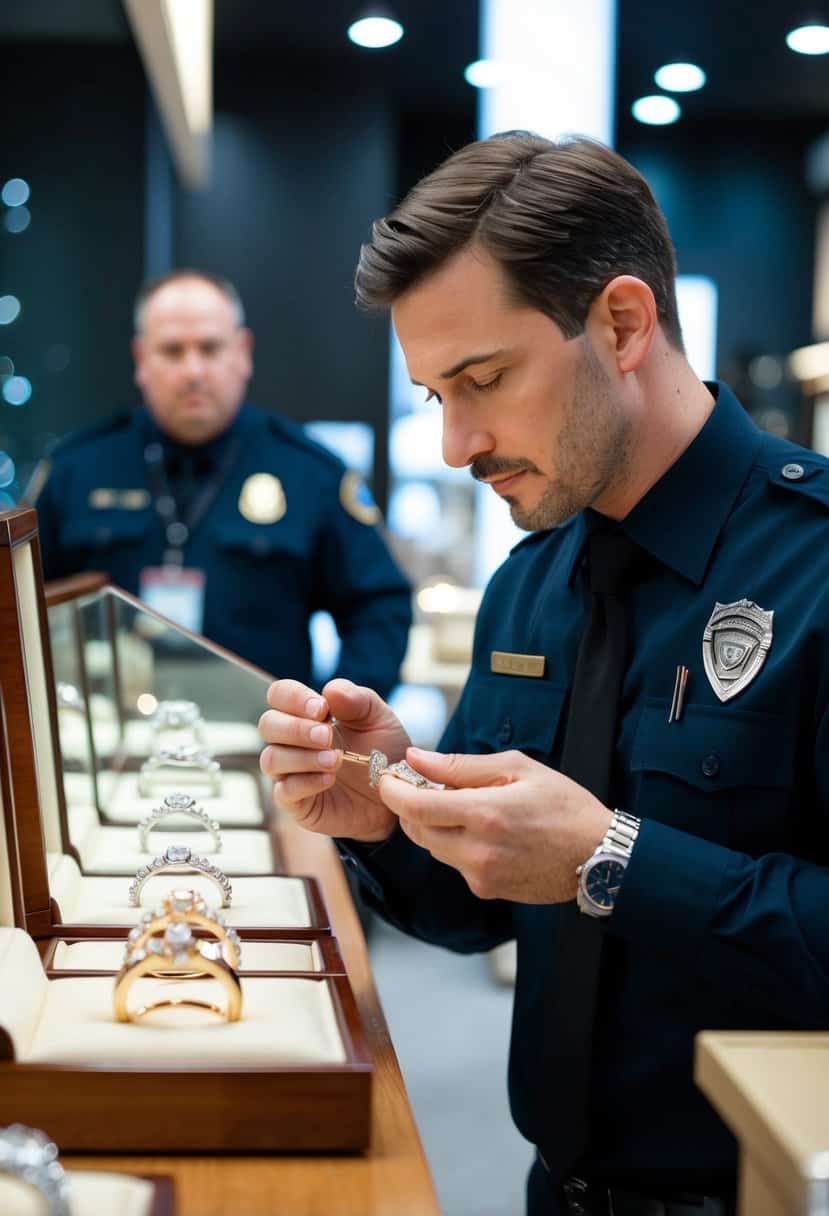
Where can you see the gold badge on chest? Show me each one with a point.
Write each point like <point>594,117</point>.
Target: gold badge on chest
<point>262,499</point>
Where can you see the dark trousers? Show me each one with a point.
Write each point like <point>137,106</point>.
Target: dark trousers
<point>545,1198</point>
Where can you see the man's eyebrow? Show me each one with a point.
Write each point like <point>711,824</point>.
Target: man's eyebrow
<point>464,363</point>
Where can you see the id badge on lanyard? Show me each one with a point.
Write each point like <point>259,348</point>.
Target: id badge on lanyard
<point>177,592</point>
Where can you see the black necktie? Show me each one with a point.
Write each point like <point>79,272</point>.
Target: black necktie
<point>587,757</point>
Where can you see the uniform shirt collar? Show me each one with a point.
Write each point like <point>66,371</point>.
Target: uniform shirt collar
<point>701,486</point>
<point>203,456</point>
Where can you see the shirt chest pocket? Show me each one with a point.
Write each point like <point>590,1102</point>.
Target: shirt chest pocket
<point>720,772</point>
<point>109,530</point>
<point>243,540</point>
<point>504,712</point>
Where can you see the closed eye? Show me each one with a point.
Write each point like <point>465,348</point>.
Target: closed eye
<point>485,385</point>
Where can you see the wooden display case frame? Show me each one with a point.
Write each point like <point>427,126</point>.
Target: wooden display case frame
<point>290,1108</point>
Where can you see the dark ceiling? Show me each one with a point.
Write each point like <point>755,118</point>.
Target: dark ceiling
<point>740,44</point>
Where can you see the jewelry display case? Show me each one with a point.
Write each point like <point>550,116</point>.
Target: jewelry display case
<point>82,684</point>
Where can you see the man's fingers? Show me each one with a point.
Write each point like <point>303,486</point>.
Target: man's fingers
<point>355,706</point>
<point>299,787</point>
<point>276,762</point>
<point>289,731</point>
<point>292,697</point>
<point>466,772</point>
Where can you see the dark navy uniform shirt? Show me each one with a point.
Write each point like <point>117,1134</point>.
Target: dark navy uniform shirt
<point>263,580</point>
<point>722,920</point>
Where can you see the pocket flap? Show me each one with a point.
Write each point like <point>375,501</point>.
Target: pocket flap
<point>513,711</point>
<point>715,748</point>
<point>105,528</point>
<point>260,539</point>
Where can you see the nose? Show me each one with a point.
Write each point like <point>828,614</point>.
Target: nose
<point>463,437</point>
<point>192,364</point>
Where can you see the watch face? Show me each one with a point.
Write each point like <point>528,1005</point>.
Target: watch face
<point>602,882</point>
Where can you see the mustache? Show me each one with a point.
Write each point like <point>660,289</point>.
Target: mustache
<point>485,468</point>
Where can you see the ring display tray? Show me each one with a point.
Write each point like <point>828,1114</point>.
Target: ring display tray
<point>294,1073</point>
<point>96,1194</point>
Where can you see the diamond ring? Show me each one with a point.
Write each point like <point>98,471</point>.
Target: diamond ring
<point>180,954</point>
<point>179,804</point>
<point>378,766</point>
<point>178,715</point>
<point>173,857</point>
<point>31,1156</point>
<point>182,910</point>
<point>188,756</point>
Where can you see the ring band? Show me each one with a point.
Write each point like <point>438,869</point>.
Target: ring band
<point>184,908</point>
<point>178,715</point>
<point>173,857</point>
<point>188,756</point>
<point>183,956</point>
<point>29,1155</point>
<point>179,804</point>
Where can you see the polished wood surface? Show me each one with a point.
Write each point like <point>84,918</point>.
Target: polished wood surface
<point>390,1179</point>
<point>772,1090</point>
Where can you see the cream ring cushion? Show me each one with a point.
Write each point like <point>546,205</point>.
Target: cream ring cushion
<point>173,857</point>
<point>31,1156</point>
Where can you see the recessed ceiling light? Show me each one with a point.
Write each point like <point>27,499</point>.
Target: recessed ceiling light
<point>680,77</point>
<point>809,40</point>
<point>656,110</point>
<point>375,32</point>
<point>485,73</point>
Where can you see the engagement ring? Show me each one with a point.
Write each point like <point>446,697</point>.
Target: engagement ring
<point>173,858</point>
<point>179,804</point>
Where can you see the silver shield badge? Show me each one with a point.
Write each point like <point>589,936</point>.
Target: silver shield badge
<point>736,641</point>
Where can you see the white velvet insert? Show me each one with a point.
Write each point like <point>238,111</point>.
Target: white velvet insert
<point>256,956</point>
<point>239,801</point>
<point>79,789</point>
<point>284,1021</point>
<point>108,850</point>
<point>23,988</point>
<point>90,1194</point>
<point>277,902</point>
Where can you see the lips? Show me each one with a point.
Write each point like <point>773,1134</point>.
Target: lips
<point>503,485</point>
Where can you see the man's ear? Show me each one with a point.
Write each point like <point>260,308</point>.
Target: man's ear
<point>624,314</point>
<point>245,339</point>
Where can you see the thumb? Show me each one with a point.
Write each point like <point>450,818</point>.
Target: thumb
<point>460,771</point>
<point>355,706</point>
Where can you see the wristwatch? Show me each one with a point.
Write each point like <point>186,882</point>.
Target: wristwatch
<point>600,877</point>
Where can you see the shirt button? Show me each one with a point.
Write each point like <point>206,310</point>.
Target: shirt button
<point>793,472</point>
<point>711,765</point>
<point>505,733</point>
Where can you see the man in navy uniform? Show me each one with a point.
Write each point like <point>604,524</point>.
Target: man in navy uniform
<point>531,285</point>
<point>226,517</point>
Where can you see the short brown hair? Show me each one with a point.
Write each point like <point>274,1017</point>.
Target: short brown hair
<point>562,219</point>
<point>151,286</point>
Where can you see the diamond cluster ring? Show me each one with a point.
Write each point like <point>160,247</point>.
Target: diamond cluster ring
<point>173,857</point>
<point>179,804</point>
<point>182,910</point>
<point>187,756</point>
<point>31,1156</point>
<point>180,954</point>
<point>178,715</point>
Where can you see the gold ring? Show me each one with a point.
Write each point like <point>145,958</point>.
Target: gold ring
<point>182,956</point>
<point>184,907</point>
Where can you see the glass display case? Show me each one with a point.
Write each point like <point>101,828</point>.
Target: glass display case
<point>153,949</point>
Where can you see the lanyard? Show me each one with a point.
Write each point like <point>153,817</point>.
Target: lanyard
<point>177,530</point>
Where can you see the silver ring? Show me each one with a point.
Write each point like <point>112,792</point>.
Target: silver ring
<point>173,858</point>
<point>31,1156</point>
<point>188,756</point>
<point>178,715</point>
<point>70,698</point>
<point>179,803</point>
<point>378,766</point>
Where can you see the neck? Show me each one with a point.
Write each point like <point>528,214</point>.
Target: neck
<point>670,406</point>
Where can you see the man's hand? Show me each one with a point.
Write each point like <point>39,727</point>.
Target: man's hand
<point>514,828</point>
<point>305,756</point>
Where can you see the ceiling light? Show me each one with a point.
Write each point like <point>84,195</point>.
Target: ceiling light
<point>375,32</point>
<point>809,40</point>
<point>656,111</point>
<point>680,77</point>
<point>485,73</point>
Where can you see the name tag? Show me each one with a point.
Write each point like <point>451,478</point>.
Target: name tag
<point>506,664</point>
<point>177,593</point>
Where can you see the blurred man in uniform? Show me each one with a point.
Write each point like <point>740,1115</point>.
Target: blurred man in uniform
<point>225,517</point>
